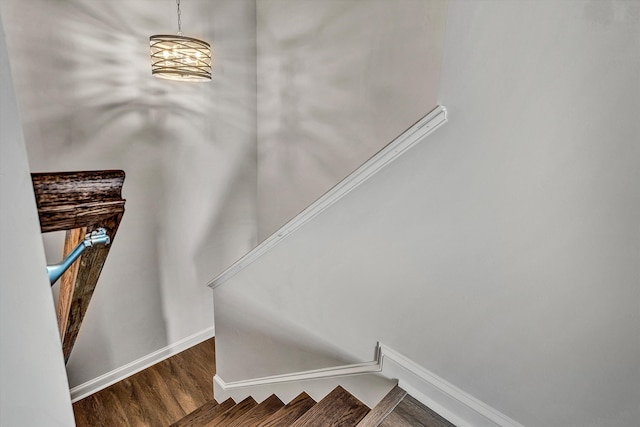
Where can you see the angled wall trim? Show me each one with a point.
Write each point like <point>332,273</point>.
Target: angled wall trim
<point>412,136</point>
<point>359,368</point>
<point>103,381</point>
<point>455,405</point>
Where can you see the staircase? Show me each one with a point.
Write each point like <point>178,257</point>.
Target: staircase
<point>338,408</point>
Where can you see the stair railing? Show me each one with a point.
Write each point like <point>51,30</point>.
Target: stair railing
<point>87,203</point>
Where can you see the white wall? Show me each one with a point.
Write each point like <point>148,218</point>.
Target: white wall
<point>501,255</point>
<point>337,81</point>
<point>189,151</point>
<point>33,383</point>
<point>88,101</point>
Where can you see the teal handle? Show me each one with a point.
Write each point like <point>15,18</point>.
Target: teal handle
<point>98,236</point>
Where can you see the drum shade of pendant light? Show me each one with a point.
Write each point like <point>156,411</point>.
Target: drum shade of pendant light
<point>179,57</point>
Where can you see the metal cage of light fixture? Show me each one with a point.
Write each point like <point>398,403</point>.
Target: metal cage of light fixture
<point>179,57</point>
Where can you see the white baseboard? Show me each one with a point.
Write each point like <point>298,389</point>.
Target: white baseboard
<point>455,405</point>
<point>103,381</point>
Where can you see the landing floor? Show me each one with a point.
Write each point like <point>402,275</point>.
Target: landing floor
<point>157,396</point>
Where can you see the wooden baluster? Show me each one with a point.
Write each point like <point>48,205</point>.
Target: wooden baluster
<point>91,264</point>
<point>68,279</point>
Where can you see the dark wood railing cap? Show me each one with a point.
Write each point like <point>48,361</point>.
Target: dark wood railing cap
<point>65,188</point>
<point>68,200</point>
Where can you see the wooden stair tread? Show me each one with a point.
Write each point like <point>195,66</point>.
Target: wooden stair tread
<point>204,414</point>
<point>339,408</point>
<point>259,413</point>
<point>290,412</point>
<point>384,408</point>
<point>231,415</point>
<point>411,413</point>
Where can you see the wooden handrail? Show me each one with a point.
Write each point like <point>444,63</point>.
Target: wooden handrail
<point>79,202</point>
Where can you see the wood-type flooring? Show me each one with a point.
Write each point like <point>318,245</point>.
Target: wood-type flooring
<point>410,412</point>
<point>178,392</point>
<point>155,397</point>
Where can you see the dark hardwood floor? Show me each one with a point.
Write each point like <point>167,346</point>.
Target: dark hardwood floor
<point>155,397</point>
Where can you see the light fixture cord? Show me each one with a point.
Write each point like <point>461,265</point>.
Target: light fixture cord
<point>179,19</point>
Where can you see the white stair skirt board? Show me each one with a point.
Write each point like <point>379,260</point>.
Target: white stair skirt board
<point>363,380</point>
<point>449,401</point>
<point>412,136</point>
<point>103,381</point>
<point>370,388</point>
<point>369,382</point>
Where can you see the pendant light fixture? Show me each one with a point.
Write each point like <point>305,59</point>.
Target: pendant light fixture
<point>179,57</point>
